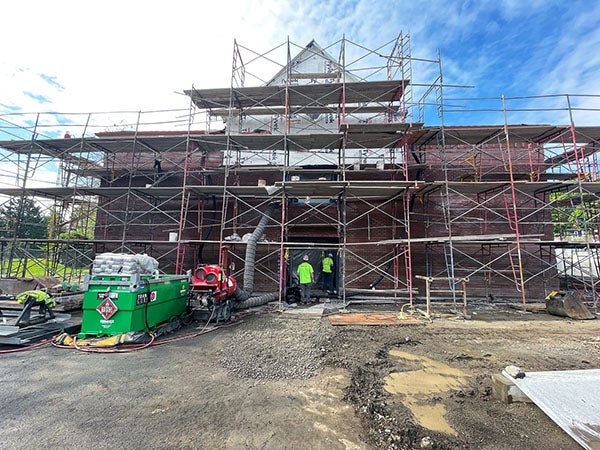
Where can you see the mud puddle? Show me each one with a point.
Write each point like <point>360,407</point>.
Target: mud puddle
<point>420,389</point>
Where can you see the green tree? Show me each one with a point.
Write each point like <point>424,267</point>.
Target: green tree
<point>55,223</point>
<point>25,214</point>
<point>572,215</point>
<point>82,222</point>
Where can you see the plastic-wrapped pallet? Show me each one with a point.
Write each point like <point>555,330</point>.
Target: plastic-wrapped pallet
<point>123,264</point>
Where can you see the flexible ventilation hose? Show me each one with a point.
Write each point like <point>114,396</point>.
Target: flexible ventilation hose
<point>257,301</point>
<point>243,295</point>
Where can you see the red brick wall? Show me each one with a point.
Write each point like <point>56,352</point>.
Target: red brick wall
<point>426,220</point>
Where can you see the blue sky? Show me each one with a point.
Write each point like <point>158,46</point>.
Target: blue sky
<point>79,57</point>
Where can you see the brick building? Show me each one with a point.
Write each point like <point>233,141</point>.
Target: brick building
<point>355,167</point>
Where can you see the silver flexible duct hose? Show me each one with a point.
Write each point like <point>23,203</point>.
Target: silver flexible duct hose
<point>257,301</point>
<point>243,295</point>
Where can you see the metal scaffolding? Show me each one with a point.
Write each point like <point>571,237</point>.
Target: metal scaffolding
<point>354,164</point>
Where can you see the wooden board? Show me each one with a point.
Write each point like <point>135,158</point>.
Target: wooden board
<point>372,319</point>
<point>529,307</point>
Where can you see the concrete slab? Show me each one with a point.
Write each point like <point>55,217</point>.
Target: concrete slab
<point>315,311</point>
<point>504,390</point>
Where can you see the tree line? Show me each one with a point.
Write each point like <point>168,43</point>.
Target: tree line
<point>24,218</point>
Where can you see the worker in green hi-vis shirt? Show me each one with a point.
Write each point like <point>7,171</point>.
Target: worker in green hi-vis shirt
<point>328,274</point>
<point>307,278</point>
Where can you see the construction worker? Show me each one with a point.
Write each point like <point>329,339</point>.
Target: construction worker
<point>40,298</point>
<point>158,164</point>
<point>327,272</point>
<point>306,274</point>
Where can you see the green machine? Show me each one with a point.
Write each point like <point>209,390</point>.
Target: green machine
<point>114,303</point>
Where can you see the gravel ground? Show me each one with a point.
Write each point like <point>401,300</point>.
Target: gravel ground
<point>286,382</point>
<point>292,355</point>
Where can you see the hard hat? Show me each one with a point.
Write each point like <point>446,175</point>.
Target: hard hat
<point>305,258</point>
<point>329,254</point>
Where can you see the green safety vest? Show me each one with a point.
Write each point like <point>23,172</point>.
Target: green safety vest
<point>39,296</point>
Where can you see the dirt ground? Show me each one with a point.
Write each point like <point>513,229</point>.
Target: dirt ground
<point>283,381</point>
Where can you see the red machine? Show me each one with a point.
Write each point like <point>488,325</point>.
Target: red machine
<point>211,292</point>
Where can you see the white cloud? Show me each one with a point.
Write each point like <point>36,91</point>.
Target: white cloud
<point>132,55</point>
